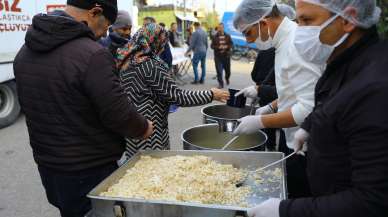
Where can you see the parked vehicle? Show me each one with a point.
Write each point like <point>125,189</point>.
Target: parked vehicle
<point>249,53</point>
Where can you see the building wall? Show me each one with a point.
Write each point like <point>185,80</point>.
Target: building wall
<point>166,16</point>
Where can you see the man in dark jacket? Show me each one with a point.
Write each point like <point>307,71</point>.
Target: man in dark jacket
<point>263,74</point>
<point>166,55</point>
<point>222,45</point>
<point>119,32</point>
<point>76,112</point>
<point>348,130</point>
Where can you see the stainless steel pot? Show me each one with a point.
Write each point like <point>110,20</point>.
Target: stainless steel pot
<point>208,137</point>
<point>225,116</point>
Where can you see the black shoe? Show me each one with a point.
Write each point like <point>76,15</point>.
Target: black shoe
<point>220,86</point>
<point>227,82</point>
<point>201,81</point>
<point>194,82</point>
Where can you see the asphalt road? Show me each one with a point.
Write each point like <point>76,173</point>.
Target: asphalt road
<point>21,191</point>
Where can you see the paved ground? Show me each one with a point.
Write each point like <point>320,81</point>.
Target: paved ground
<point>21,191</point>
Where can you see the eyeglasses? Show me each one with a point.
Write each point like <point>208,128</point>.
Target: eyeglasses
<point>247,31</point>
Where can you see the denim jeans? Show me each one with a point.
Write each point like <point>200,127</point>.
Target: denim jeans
<point>199,57</point>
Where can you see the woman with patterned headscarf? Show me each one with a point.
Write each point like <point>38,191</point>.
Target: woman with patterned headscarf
<point>148,84</point>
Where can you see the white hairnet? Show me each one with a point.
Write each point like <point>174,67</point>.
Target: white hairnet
<point>250,12</point>
<point>368,14</point>
<point>287,11</point>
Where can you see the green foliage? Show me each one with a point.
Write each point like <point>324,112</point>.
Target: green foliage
<point>166,16</point>
<point>210,21</point>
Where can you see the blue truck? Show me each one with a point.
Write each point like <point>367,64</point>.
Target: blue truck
<point>241,46</point>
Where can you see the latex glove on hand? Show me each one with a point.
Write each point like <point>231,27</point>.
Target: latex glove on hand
<point>249,125</point>
<point>269,208</point>
<point>265,110</point>
<point>300,141</point>
<point>250,92</point>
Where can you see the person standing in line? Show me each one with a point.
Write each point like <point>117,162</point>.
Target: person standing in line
<point>199,45</point>
<point>166,54</point>
<point>147,20</point>
<point>120,32</point>
<point>222,45</point>
<point>77,113</point>
<point>147,82</point>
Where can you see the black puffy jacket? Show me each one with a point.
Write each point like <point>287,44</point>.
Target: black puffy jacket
<point>77,114</point>
<point>347,161</point>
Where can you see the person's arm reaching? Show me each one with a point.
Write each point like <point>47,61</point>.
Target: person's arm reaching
<point>303,77</point>
<point>104,90</point>
<point>162,84</point>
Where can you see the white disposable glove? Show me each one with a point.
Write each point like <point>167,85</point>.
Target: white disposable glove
<point>250,92</point>
<point>249,125</point>
<point>265,110</point>
<point>269,208</point>
<point>300,141</point>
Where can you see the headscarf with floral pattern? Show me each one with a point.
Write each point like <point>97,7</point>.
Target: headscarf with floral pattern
<point>146,44</point>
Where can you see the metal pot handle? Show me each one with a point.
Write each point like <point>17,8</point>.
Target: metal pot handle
<point>119,210</point>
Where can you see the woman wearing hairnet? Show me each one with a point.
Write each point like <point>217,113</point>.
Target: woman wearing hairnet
<point>295,80</point>
<point>348,130</point>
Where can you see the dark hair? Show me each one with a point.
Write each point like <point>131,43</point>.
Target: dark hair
<point>221,24</point>
<point>172,24</point>
<point>197,24</point>
<point>162,25</point>
<point>150,19</point>
<point>275,12</point>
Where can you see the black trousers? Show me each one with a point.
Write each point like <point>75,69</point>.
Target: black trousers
<point>67,190</point>
<point>222,63</point>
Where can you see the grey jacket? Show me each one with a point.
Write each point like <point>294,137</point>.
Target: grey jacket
<point>199,41</point>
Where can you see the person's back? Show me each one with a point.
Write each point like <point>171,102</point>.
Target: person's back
<point>76,111</point>
<point>56,80</point>
<point>199,42</point>
<point>199,45</point>
<point>119,33</point>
